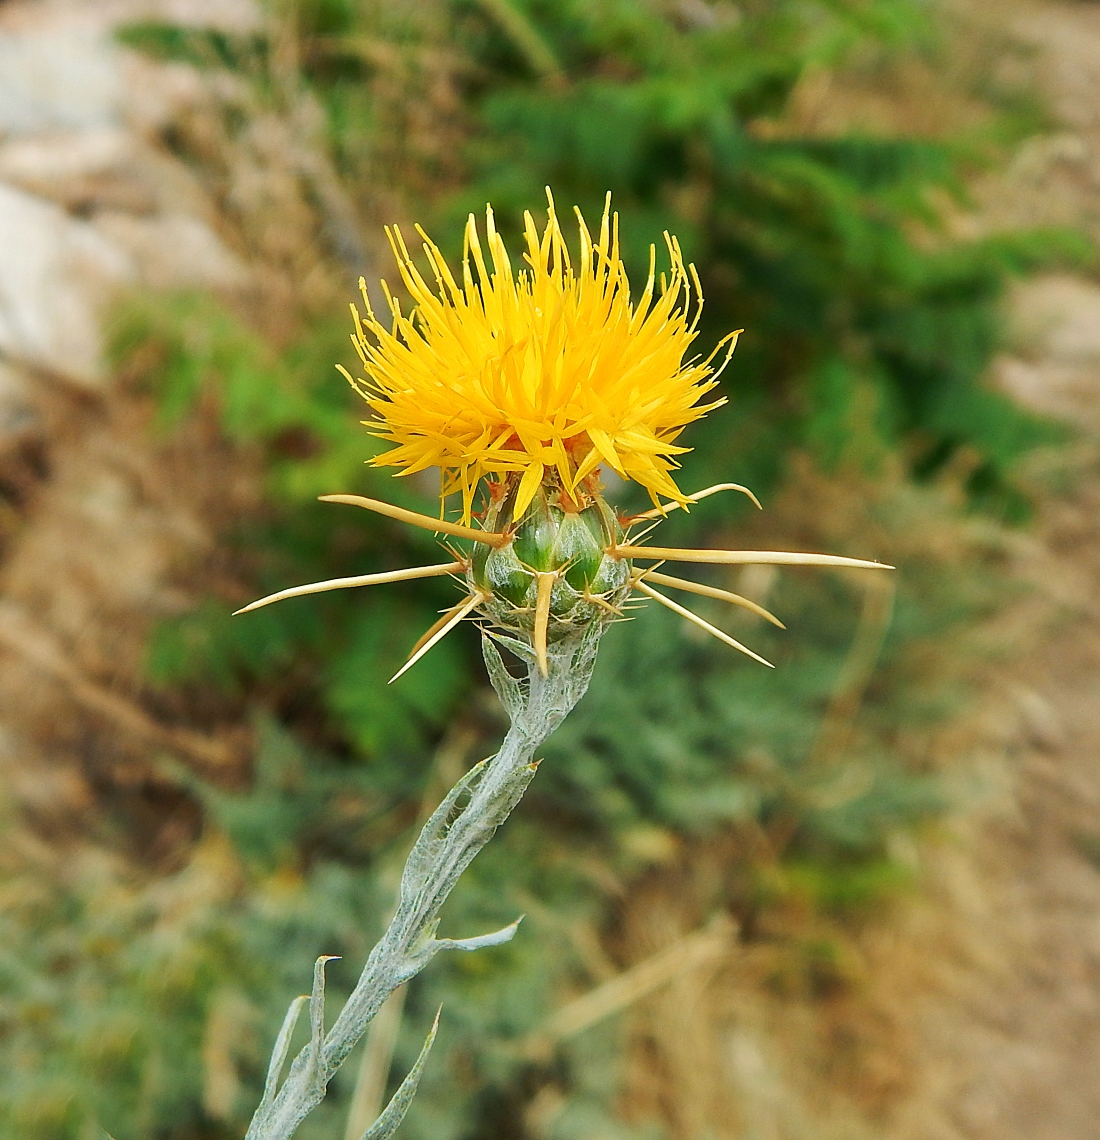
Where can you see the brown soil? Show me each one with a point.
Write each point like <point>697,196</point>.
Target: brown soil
<point>999,966</point>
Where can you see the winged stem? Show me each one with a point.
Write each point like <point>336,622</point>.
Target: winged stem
<point>466,820</point>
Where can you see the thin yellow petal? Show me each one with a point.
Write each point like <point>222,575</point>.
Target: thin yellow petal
<point>528,486</point>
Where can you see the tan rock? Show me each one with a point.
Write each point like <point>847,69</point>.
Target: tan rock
<point>30,161</point>
<point>1055,370</point>
<point>56,273</point>
<point>56,75</point>
<point>174,251</point>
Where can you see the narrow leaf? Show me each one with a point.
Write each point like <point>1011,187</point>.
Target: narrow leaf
<point>481,941</point>
<point>278,1054</point>
<point>420,856</point>
<point>521,649</point>
<point>317,1011</point>
<point>394,1112</point>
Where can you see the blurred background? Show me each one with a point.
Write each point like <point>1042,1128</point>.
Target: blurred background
<point>858,897</point>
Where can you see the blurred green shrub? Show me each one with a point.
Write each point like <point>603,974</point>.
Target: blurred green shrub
<point>868,332</point>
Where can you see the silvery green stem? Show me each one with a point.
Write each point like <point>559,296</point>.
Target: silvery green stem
<point>445,848</point>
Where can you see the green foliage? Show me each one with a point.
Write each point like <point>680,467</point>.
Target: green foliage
<point>128,997</point>
<point>868,333</point>
<point>825,249</point>
<point>202,47</point>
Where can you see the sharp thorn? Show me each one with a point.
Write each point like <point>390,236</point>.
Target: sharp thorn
<point>449,621</point>
<point>414,518</point>
<point>546,580</point>
<point>711,592</point>
<point>742,557</point>
<point>358,580</point>
<point>660,512</point>
<point>714,631</point>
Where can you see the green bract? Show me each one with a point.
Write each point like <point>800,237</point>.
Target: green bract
<point>590,584</point>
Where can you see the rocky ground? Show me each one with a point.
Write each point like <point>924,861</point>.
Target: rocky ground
<point>995,972</point>
<point>1000,965</point>
<point>90,206</point>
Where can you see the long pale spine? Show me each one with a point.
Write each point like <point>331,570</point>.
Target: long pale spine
<point>445,848</point>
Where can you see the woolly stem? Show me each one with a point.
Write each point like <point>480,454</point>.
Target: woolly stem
<point>446,847</point>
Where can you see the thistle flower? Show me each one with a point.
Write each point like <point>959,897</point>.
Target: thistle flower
<point>548,370</point>
<point>518,387</point>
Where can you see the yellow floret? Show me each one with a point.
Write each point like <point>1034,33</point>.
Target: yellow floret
<point>536,376</point>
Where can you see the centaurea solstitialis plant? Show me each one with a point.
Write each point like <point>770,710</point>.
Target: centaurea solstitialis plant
<point>518,387</point>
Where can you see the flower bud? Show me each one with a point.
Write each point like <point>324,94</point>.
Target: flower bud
<point>590,585</point>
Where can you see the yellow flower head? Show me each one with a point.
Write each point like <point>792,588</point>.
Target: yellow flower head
<point>536,377</point>
<point>531,381</point>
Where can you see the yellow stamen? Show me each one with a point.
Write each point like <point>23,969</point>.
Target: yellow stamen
<point>713,630</point>
<point>359,580</point>
<point>440,526</point>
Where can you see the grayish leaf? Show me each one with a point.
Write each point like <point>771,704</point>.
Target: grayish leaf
<point>282,1047</point>
<point>481,941</point>
<point>394,1112</point>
